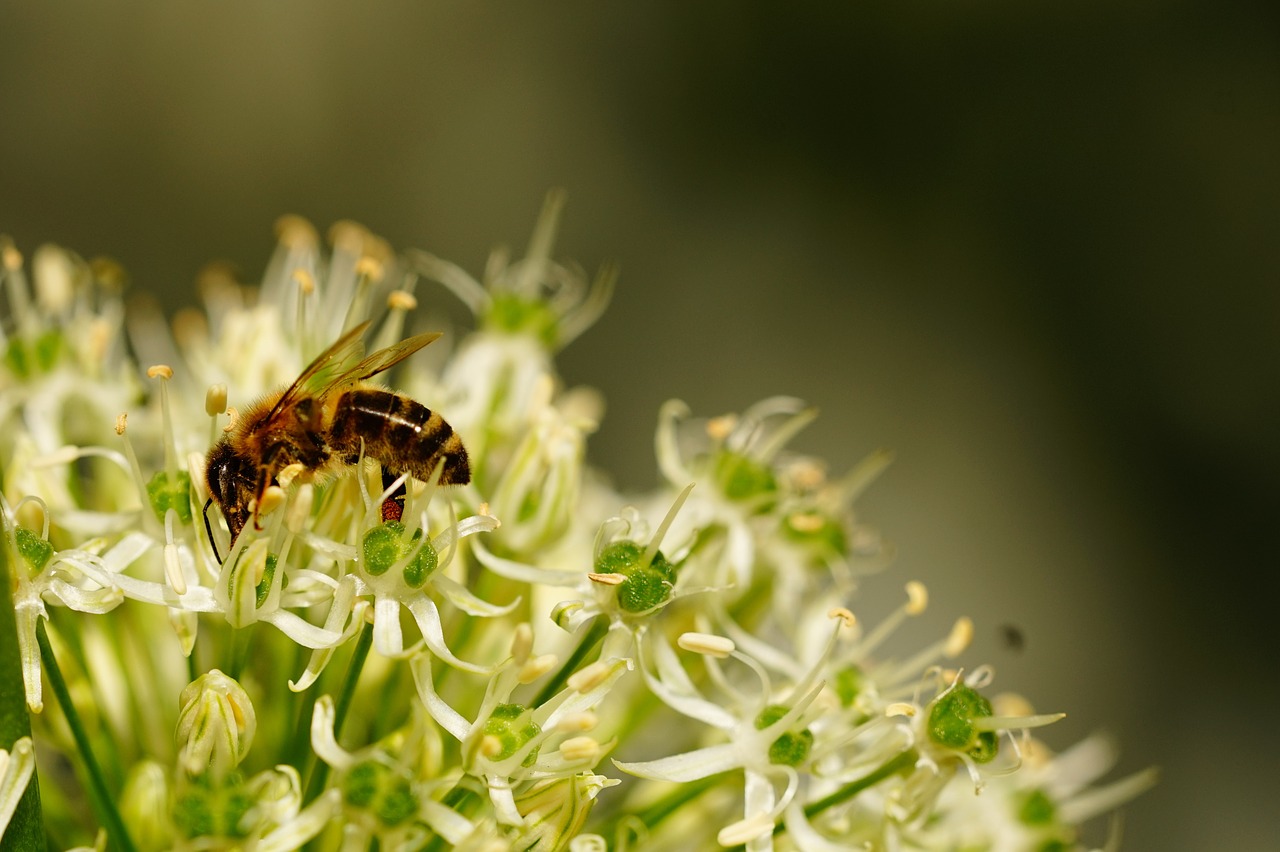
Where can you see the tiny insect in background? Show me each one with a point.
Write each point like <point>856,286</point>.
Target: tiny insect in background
<point>321,422</point>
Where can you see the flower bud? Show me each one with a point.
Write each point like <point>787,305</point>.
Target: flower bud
<point>215,725</point>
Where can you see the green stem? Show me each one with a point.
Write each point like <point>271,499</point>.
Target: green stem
<point>26,825</point>
<point>903,761</point>
<point>594,635</point>
<point>320,769</point>
<point>100,797</point>
<point>653,815</point>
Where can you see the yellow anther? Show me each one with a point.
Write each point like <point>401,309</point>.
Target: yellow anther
<point>522,642</point>
<point>289,473</point>
<point>1011,704</point>
<point>587,679</point>
<point>805,522</point>
<point>707,644</point>
<point>607,579</point>
<point>347,235</point>
<point>215,400</point>
<point>900,708</point>
<point>401,300</point>
<point>579,722</point>
<point>296,232</point>
<point>917,598</point>
<point>368,267</point>
<point>960,637</point>
<point>121,420</point>
<point>12,257</point>
<point>272,499</point>
<point>719,428</point>
<point>847,618</point>
<point>160,371</point>
<point>535,667</point>
<point>579,748</point>
<point>305,280</point>
<point>490,746</point>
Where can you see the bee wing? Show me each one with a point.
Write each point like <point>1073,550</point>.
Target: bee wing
<point>383,359</point>
<point>326,371</point>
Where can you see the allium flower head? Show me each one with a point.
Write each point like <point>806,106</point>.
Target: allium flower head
<point>351,650</point>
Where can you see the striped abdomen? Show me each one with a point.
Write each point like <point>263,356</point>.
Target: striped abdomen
<point>404,435</point>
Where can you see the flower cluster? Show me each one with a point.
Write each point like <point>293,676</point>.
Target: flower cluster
<point>523,659</point>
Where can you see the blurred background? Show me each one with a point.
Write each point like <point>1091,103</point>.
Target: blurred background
<point>1034,250</point>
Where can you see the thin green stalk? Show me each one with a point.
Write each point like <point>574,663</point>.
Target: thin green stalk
<point>320,769</point>
<point>903,761</point>
<point>593,636</point>
<point>26,825</point>
<point>100,797</point>
<point>653,815</point>
<point>460,799</point>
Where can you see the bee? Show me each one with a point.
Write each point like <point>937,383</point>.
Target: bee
<point>325,420</point>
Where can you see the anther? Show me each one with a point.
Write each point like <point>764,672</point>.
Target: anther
<point>578,722</point>
<point>233,415</point>
<point>707,644</point>
<point>305,280</point>
<point>370,268</point>
<point>607,579</point>
<point>587,679</point>
<point>272,499</point>
<point>121,420</point>
<point>805,522</point>
<point>959,638</point>
<point>719,428</point>
<point>900,708</point>
<point>490,746</point>
<point>160,371</point>
<point>535,667</point>
<point>215,400</point>
<point>917,598</point>
<point>847,618</point>
<point>295,232</point>
<point>401,300</point>
<point>522,642</point>
<point>579,748</point>
<point>12,258</point>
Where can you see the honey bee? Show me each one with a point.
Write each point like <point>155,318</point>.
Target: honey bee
<point>322,421</point>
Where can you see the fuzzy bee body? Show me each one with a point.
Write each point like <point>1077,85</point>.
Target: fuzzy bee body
<point>323,422</point>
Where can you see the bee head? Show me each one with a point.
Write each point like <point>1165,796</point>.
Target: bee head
<point>231,478</point>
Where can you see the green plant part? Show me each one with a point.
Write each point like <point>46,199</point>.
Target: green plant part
<point>514,314</point>
<point>647,585</point>
<point>166,492</point>
<point>951,723</point>
<point>385,545</point>
<point>381,790</point>
<point>504,726</point>
<point>790,749</point>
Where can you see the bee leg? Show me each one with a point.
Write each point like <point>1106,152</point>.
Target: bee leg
<point>393,506</point>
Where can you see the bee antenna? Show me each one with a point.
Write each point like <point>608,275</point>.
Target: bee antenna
<point>208,527</point>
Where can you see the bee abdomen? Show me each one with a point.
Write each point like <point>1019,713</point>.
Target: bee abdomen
<point>402,434</point>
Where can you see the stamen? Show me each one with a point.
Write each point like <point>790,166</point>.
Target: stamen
<point>607,579</point>
<point>535,667</point>
<point>652,550</point>
<point>720,428</point>
<point>587,679</point>
<point>707,644</point>
<point>273,498</point>
<point>522,642</point>
<point>401,300</point>
<point>847,618</point>
<point>295,232</point>
<point>960,637</point>
<point>577,749</point>
<point>300,509</point>
<point>215,400</point>
<point>900,708</point>
<point>233,417</point>
<point>582,722</point>
<point>918,598</point>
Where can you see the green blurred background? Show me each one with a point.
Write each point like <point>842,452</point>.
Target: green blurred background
<point>1033,249</point>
